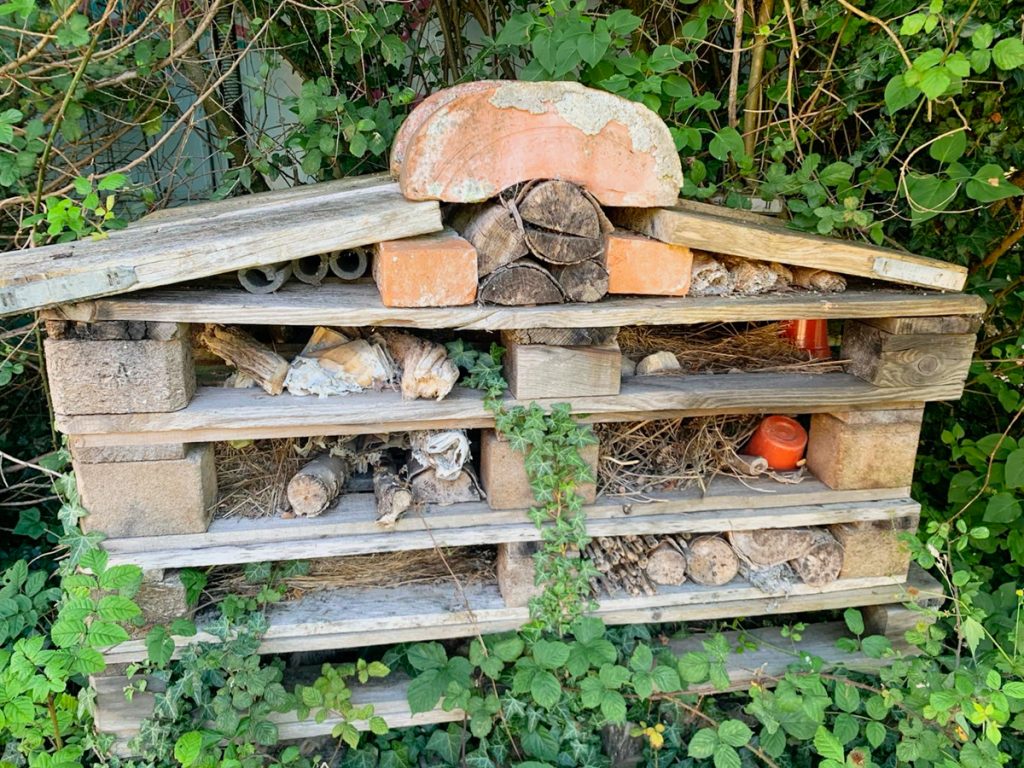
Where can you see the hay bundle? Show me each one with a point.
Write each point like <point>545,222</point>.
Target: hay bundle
<point>722,348</point>
<point>251,478</point>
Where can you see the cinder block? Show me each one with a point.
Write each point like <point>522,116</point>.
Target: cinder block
<point>874,548</point>
<point>147,376</point>
<point>437,270</point>
<point>537,371</point>
<point>111,454</point>
<point>516,573</point>
<point>640,265</point>
<point>866,449</point>
<point>503,474</point>
<point>149,498</point>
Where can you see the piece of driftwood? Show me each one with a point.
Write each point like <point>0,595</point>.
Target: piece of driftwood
<point>659,362</point>
<point>311,269</point>
<point>523,282</point>
<point>495,233</point>
<point>666,564</point>
<point>253,358</point>
<point>818,280</point>
<point>822,562</point>
<point>585,281</point>
<point>349,265</point>
<point>446,451</point>
<point>709,276</point>
<point>426,370</point>
<point>392,494</point>
<point>265,279</point>
<point>772,546</point>
<point>711,561</point>
<point>240,232</point>
<point>316,485</point>
<point>721,234</point>
<point>332,364</point>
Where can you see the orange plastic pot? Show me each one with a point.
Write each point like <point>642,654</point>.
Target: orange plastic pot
<point>810,336</point>
<point>781,441</point>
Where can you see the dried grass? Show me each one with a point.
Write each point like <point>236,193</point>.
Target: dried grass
<point>251,480</point>
<point>722,347</point>
<point>645,457</point>
<point>470,565</point>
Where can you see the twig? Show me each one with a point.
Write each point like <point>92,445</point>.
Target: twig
<point>734,72</point>
<point>885,27</point>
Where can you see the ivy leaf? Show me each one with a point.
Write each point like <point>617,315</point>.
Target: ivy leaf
<point>702,744</point>
<point>159,646</point>
<point>828,745</point>
<point>973,632</point>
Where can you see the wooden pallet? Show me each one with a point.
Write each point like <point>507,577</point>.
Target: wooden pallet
<point>349,527</point>
<point>217,413</point>
<point>359,617</point>
<point>357,305</point>
<point>769,660</point>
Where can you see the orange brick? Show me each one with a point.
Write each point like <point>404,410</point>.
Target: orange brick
<point>437,270</point>
<point>637,264</point>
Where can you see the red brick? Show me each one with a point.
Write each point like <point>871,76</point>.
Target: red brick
<point>437,270</point>
<point>639,265</point>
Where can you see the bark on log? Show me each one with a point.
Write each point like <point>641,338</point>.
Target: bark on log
<point>492,229</point>
<point>755,277</point>
<point>562,224</point>
<point>316,485</point>
<point>522,283</point>
<point>709,277</point>
<point>426,370</point>
<point>772,546</point>
<point>818,280</point>
<point>392,494</point>
<point>240,350</point>
<point>711,561</point>
<point>822,562</point>
<point>586,281</point>
<point>666,564</point>
<point>267,279</point>
<point>563,337</point>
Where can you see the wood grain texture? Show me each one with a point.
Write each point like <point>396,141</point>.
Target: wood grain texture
<point>722,234</point>
<point>354,618</point>
<point>349,526</point>
<point>537,371</point>
<point>349,214</point>
<point>344,304</point>
<point>903,360</point>
<point>946,324</point>
<point>217,413</point>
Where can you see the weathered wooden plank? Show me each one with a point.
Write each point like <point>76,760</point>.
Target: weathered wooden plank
<point>347,304</point>
<point>536,371</point>
<point>946,324</point>
<point>353,618</point>
<point>727,234</point>
<point>349,526</point>
<point>217,413</point>
<point>197,246</point>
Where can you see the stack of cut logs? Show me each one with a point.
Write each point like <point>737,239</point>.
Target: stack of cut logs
<point>771,560</point>
<point>540,243</point>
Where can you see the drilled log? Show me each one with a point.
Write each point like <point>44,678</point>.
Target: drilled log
<point>772,546</point>
<point>492,229</point>
<point>316,485</point>
<point>666,564</point>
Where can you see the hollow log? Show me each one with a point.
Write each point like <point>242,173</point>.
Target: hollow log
<point>266,279</point>
<point>521,283</point>
<point>316,485</point>
<point>310,269</point>
<point>349,265</point>
<point>711,561</point>
<point>391,493</point>
<point>821,563</point>
<point>253,358</point>
<point>586,281</point>
<point>772,546</point>
<point>492,229</point>
<point>426,370</point>
<point>666,564</point>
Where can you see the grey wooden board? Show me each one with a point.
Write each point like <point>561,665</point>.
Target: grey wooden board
<point>349,526</point>
<point>727,234</point>
<point>359,305</point>
<point>354,618</point>
<point>773,655</point>
<point>222,237</point>
<point>218,413</point>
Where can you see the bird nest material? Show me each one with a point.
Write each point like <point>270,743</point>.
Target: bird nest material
<point>646,457</point>
<point>468,565</point>
<point>252,477</point>
<point>722,347</point>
